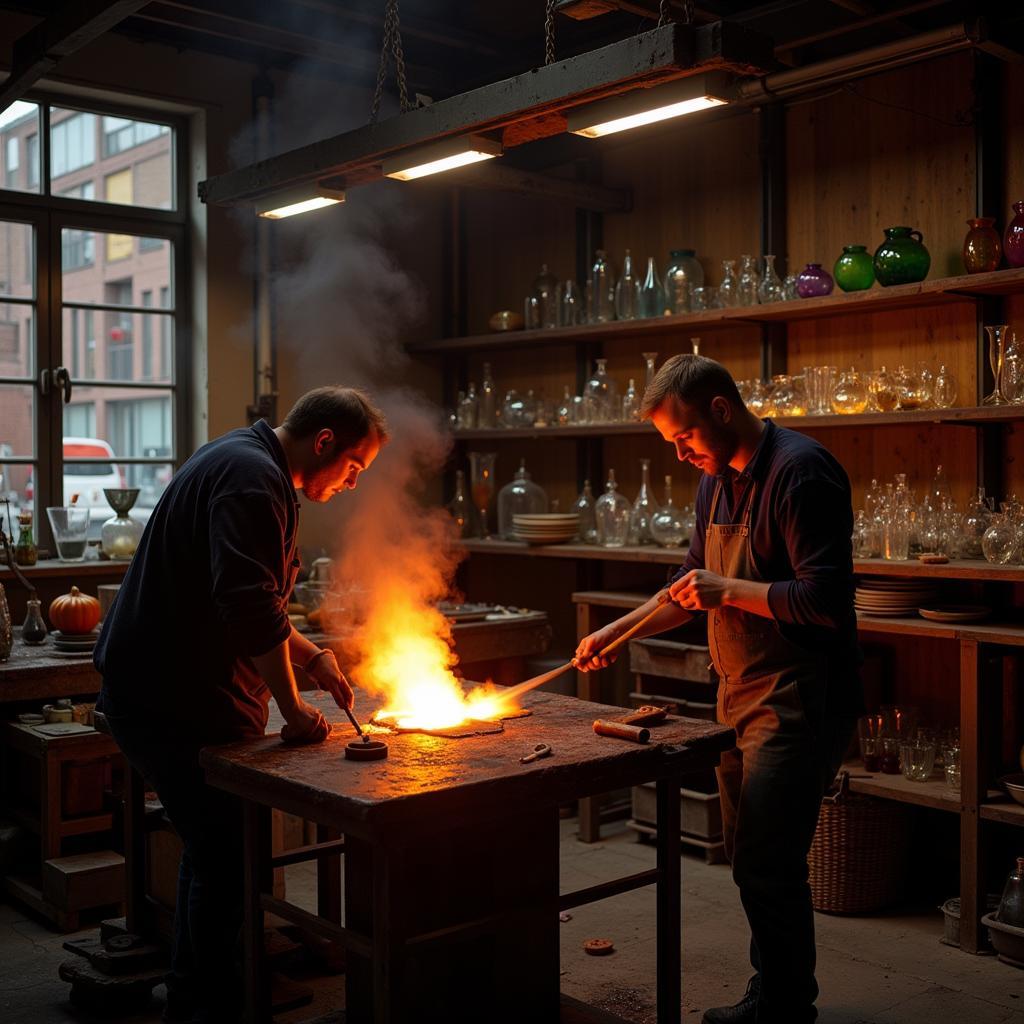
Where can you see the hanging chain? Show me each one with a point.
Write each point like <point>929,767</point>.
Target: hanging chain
<point>549,33</point>
<point>391,45</point>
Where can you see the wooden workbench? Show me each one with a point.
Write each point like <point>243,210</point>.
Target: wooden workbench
<point>451,851</point>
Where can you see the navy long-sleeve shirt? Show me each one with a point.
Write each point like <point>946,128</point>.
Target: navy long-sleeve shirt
<point>800,538</point>
<point>206,592</point>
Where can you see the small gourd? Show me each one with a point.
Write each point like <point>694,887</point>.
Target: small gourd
<point>75,612</point>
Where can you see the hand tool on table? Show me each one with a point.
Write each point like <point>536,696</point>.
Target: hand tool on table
<point>539,751</point>
<point>355,724</point>
<point>622,731</point>
<point>546,677</point>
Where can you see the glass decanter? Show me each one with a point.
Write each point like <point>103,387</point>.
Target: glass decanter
<point>788,396</point>
<point>644,508</point>
<point>865,537</point>
<point>481,486</point>
<point>519,497</point>
<point>668,525</point>
<point>121,534</point>
<point>459,507</point>
<point>885,395</point>
<point>746,290</point>
<point>545,291</point>
<point>683,275</point>
<point>601,290</point>
<point>467,410</point>
<point>631,404</point>
<point>652,294</point>
<point>33,632</point>
<point>999,542</point>
<point>728,289</point>
<point>487,408</point>
<point>850,394</point>
<point>770,288</point>
<point>612,514</point>
<point>571,306</point>
<point>602,394</point>
<point>996,357</point>
<point>789,292</point>
<point>912,391</point>
<point>583,506</point>
<point>627,292</point>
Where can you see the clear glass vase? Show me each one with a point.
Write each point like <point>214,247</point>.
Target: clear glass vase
<point>519,497</point>
<point>644,508</point>
<point>459,507</point>
<point>583,506</point>
<point>997,336</point>
<point>683,275</point>
<point>727,290</point>
<point>121,534</point>
<point>612,514</point>
<point>631,404</point>
<point>746,290</point>
<point>601,290</point>
<point>602,395</point>
<point>487,408</point>
<point>668,524</point>
<point>770,288</point>
<point>545,291</point>
<point>481,487</point>
<point>652,294</point>
<point>627,292</point>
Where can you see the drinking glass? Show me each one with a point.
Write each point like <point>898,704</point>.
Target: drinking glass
<point>481,483</point>
<point>704,297</point>
<point>869,734</point>
<point>70,526</point>
<point>951,765</point>
<point>996,356</point>
<point>917,759</point>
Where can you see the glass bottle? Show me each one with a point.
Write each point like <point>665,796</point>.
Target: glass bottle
<point>644,508</point>
<point>982,249</point>
<point>652,294</point>
<point>25,551</point>
<point>467,411</point>
<point>459,507</point>
<point>571,306</point>
<point>630,404</point>
<point>601,290</point>
<point>1011,905</point>
<point>814,281</point>
<point>668,527</point>
<point>1000,539</point>
<point>650,358</point>
<point>545,290</point>
<point>566,409</point>
<point>865,537</point>
<point>1013,238</point>
<point>487,410</point>
<point>481,487</point>
<point>884,393</point>
<point>583,506</point>
<point>976,520</point>
<point>33,632</point>
<point>519,497</point>
<point>850,394</point>
<point>789,288</point>
<point>746,290</point>
<point>612,514</point>
<point>770,288</point>
<point>602,394</point>
<point>683,275</point>
<point>728,289</point>
<point>854,271</point>
<point>627,292</point>
<point>997,337</point>
<point>120,535</point>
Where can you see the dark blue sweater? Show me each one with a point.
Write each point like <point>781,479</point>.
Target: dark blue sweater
<point>206,592</point>
<point>801,527</point>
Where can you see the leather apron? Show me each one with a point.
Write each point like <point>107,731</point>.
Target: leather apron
<point>764,675</point>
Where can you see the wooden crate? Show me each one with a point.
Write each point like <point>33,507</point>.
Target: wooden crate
<point>700,813</point>
<point>84,880</point>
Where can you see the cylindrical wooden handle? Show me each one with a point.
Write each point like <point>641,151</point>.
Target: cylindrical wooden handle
<point>663,599</point>
<point>621,731</point>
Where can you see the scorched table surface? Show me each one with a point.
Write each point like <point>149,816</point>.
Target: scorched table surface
<point>428,777</point>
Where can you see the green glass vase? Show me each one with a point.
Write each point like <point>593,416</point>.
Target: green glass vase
<point>854,270</point>
<point>902,257</point>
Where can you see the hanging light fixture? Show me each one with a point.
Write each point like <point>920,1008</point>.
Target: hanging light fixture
<point>298,199</point>
<point>646,106</point>
<point>441,156</point>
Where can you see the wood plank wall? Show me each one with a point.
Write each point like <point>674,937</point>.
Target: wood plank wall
<point>891,149</point>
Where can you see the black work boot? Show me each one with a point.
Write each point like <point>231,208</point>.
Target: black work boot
<point>743,1012</point>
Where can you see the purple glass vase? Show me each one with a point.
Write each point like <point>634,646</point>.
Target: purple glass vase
<point>813,281</point>
<point>1013,242</point>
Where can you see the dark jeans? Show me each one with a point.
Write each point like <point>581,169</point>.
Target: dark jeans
<point>786,755</point>
<point>204,981</point>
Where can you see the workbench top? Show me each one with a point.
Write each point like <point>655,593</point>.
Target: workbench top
<point>432,777</point>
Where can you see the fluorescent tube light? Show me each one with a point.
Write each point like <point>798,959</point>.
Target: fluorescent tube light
<point>441,156</point>
<point>646,106</point>
<point>300,199</point>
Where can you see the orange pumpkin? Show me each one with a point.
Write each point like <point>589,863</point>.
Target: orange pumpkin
<point>75,612</point>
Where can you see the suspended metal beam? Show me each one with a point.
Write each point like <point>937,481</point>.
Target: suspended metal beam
<point>583,195</point>
<point>521,109</point>
<point>39,50</point>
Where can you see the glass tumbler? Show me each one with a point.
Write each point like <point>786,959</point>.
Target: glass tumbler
<point>869,734</point>
<point>951,764</point>
<point>917,759</point>
<point>70,526</point>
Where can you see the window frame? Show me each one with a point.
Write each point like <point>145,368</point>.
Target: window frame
<point>48,213</point>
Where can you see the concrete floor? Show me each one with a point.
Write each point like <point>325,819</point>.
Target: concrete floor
<point>887,969</point>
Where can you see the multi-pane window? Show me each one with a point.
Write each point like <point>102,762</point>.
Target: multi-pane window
<point>32,162</point>
<point>120,134</point>
<point>166,357</point>
<point>72,142</point>
<point>147,338</point>
<point>12,161</point>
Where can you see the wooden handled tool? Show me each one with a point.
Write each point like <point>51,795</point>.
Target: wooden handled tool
<point>358,728</point>
<point>546,677</point>
<point>622,731</point>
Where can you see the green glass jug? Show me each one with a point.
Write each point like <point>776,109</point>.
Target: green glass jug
<point>902,257</point>
<point>854,270</point>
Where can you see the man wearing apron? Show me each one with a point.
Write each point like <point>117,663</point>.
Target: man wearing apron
<point>771,565</point>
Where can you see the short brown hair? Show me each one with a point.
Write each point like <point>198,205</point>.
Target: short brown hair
<point>695,380</point>
<point>349,412</point>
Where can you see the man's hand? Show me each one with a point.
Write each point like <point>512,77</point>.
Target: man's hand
<point>700,591</point>
<point>327,676</point>
<point>305,724</point>
<point>587,659</point>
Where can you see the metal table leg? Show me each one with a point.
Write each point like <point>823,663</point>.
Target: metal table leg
<point>669,899</point>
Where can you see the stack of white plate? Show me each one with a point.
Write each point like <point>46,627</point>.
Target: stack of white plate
<point>546,528</point>
<point>892,597</point>
<point>74,643</point>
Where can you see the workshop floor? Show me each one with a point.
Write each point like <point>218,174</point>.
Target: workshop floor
<point>879,969</point>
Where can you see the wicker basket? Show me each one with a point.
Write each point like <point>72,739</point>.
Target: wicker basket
<point>859,855</point>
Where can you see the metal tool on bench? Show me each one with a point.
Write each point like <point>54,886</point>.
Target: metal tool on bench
<point>539,751</point>
<point>368,750</point>
<point>546,677</point>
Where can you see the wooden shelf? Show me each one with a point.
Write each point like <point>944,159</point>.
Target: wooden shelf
<point>591,552</point>
<point>973,569</point>
<point>964,417</point>
<point>47,567</point>
<point>934,793</point>
<point>938,291</point>
<point>1007,812</point>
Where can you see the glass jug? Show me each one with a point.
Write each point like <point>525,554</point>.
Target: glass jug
<point>612,514</point>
